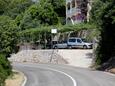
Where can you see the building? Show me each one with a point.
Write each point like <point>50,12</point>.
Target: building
<point>77,11</point>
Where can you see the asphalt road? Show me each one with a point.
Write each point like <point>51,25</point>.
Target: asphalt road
<point>63,75</point>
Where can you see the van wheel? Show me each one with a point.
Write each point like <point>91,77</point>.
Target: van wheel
<point>55,47</point>
<point>84,47</point>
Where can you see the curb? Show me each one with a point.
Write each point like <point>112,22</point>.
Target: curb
<point>24,77</point>
<point>24,81</point>
<point>110,73</point>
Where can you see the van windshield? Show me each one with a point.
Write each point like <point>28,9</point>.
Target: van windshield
<point>72,40</point>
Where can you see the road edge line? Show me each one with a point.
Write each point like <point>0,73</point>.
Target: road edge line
<point>24,81</point>
<point>73,80</point>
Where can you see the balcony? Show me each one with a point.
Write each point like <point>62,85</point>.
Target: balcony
<point>68,1</point>
<point>72,12</point>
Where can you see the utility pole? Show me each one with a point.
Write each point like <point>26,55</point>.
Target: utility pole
<point>53,31</point>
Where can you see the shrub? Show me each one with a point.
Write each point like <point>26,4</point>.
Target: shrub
<point>5,69</point>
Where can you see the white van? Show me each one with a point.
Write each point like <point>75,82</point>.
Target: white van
<point>74,42</point>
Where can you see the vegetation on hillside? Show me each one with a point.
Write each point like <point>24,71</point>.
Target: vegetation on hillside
<point>17,16</point>
<point>104,14</point>
<point>8,41</point>
<point>34,33</point>
<point>5,69</point>
<point>25,20</point>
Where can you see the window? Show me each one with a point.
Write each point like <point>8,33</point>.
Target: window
<point>78,3</point>
<point>68,6</point>
<point>79,41</point>
<point>69,20</point>
<point>72,40</point>
<point>73,3</point>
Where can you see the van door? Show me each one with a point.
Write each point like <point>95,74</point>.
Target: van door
<point>79,43</point>
<point>72,42</point>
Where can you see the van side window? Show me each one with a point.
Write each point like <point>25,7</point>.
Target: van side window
<point>79,41</point>
<point>72,40</point>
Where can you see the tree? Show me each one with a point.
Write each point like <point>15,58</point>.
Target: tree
<point>106,20</point>
<point>59,8</point>
<point>5,69</point>
<point>16,7</point>
<point>8,42</point>
<point>41,13</point>
<point>4,6</point>
<point>47,13</point>
<point>8,35</point>
<point>96,12</point>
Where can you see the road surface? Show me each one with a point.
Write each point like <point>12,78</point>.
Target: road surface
<point>63,75</point>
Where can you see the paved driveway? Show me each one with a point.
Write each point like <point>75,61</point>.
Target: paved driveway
<point>77,57</point>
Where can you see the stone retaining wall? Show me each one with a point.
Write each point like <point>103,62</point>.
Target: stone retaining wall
<point>38,56</point>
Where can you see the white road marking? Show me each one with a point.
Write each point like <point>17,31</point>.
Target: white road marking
<point>73,80</point>
<point>25,80</point>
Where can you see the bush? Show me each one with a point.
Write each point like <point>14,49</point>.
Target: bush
<point>34,34</point>
<point>5,69</point>
<point>106,48</point>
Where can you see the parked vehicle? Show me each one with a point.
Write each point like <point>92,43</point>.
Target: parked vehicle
<point>61,45</point>
<point>74,42</point>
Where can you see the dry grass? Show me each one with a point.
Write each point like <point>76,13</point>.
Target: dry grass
<point>15,80</point>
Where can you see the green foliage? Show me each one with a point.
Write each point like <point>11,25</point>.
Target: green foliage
<point>8,35</point>
<point>8,41</point>
<point>105,15</point>
<point>97,9</point>
<point>47,14</point>
<point>37,14</point>
<point>34,33</point>
<point>29,14</point>
<point>59,7</point>
<point>20,16</point>
<point>16,7</point>
<point>5,69</point>
<point>77,27</point>
<point>50,12</point>
<point>4,6</point>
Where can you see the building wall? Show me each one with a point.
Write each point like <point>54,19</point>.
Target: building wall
<point>77,11</point>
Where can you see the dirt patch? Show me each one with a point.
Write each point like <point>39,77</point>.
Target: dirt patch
<point>15,80</point>
<point>112,70</point>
